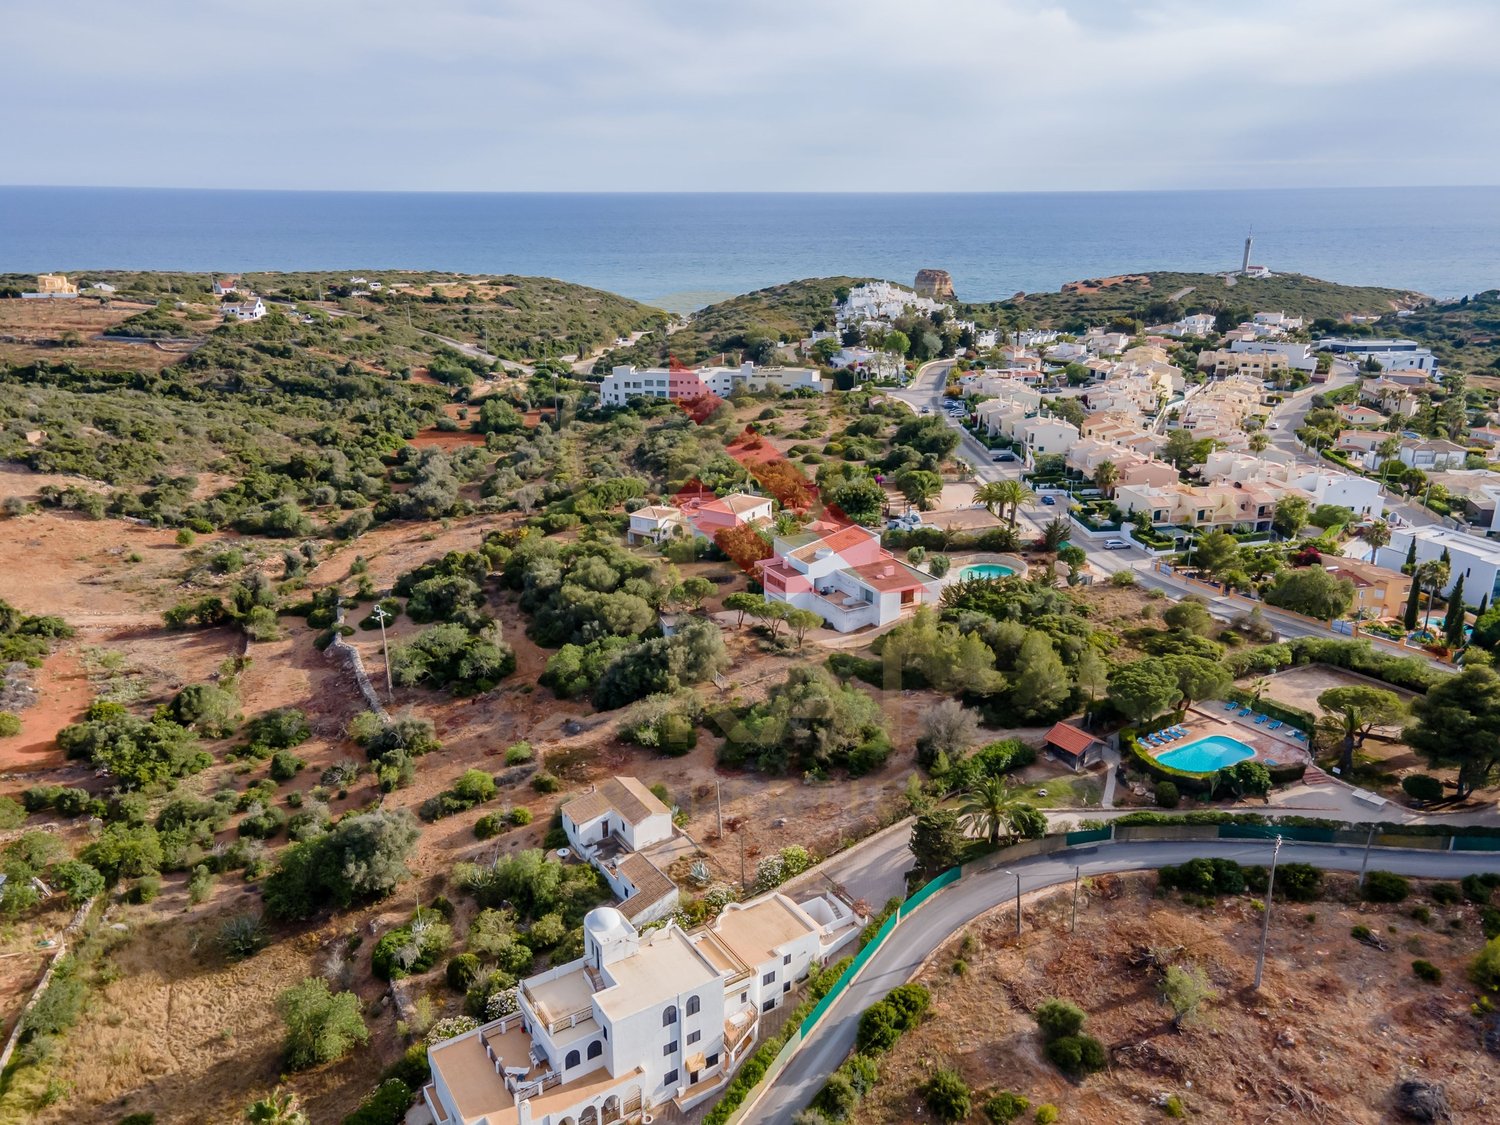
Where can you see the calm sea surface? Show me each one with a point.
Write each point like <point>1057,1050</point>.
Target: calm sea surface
<point>685,250</point>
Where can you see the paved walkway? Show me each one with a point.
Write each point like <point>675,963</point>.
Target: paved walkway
<point>953,908</point>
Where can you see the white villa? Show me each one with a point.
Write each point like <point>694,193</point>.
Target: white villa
<point>249,310</point>
<point>655,523</point>
<point>639,1021</point>
<point>612,827</point>
<point>846,576</point>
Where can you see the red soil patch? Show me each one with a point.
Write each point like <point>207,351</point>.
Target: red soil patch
<point>445,439</point>
<point>63,696</point>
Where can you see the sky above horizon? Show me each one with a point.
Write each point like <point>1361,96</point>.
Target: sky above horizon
<point>772,95</point>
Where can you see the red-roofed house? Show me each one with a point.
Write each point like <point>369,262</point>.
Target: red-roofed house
<point>716,513</point>
<point>1073,747</point>
<point>845,575</point>
<point>223,286</point>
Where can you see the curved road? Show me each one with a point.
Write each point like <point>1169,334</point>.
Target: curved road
<point>952,908</point>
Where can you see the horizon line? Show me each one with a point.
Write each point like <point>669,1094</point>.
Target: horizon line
<point>738,192</point>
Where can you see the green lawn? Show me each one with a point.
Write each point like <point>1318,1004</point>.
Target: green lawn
<point>1062,792</point>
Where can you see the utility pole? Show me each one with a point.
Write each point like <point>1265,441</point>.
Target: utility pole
<point>1265,923</point>
<point>1073,925</point>
<point>1370,839</point>
<point>381,616</point>
<point>1017,874</point>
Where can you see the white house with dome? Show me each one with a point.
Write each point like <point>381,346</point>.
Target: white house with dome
<point>639,1020</point>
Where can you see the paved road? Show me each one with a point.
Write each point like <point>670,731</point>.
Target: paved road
<point>950,910</point>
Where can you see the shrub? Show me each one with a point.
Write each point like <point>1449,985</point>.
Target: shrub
<point>1006,1107</point>
<point>1422,787</point>
<point>1427,971</point>
<point>518,753</point>
<point>285,764</point>
<point>462,971</point>
<point>1444,894</point>
<point>1485,968</point>
<point>414,948</point>
<point>241,936</point>
<point>385,1105</point>
<point>838,1097</point>
<point>1058,1018</point>
<point>520,816</point>
<point>1166,794</point>
<point>10,724</point>
<point>1478,888</point>
<point>1385,886</point>
<point>1299,882</point>
<point>321,1026</point>
<point>947,1095</point>
<point>489,826</point>
<point>1077,1054</point>
<point>1047,1113</point>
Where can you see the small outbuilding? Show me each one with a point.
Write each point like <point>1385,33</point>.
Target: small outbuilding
<point>1074,748</point>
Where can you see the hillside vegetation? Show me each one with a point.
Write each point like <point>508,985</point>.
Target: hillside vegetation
<point>1148,298</point>
<point>753,323</point>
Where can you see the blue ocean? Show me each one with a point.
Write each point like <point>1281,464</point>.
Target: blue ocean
<point>684,250</point>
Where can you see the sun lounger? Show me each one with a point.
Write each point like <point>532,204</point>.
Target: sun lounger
<point>1231,705</point>
<point>1244,711</point>
<point>1274,724</point>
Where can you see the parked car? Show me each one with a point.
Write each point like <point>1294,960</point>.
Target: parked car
<point>1003,455</point>
<point>1274,426</point>
<point>1116,545</point>
<point>1049,500</point>
<point>926,410</point>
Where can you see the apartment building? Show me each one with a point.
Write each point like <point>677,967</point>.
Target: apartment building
<point>1221,363</point>
<point>1474,557</point>
<point>626,382</point>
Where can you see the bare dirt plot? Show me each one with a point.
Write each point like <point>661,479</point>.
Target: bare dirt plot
<point>58,331</point>
<point>1300,687</point>
<point>63,694</point>
<point>1252,1057</point>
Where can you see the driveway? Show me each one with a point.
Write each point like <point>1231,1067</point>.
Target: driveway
<point>955,907</point>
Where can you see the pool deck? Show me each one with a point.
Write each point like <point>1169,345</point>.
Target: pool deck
<point>1271,748</point>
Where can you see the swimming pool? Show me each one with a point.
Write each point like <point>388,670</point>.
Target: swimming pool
<point>985,570</point>
<point>1207,754</point>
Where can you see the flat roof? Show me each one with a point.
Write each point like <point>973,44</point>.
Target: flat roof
<point>666,964</point>
<point>755,932</point>
<point>476,1088</point>
<point>1449,537</point>
<point>553,999</point>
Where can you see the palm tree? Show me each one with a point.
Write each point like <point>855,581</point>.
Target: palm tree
<point>992,496</point>
<point>1258,442</point>
<point>1431,576</point>
<point>1106,475</point>
<point>1377,535</point>
<point>1016,494</point>
<point>987,808</point>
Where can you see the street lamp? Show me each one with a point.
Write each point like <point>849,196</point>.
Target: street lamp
<point>1017,874</point>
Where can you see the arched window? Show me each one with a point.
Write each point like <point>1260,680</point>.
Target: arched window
<point>596,1048</point>
<point>669,1017</point>
<point>693,1006</point>
<point>572,1060</point>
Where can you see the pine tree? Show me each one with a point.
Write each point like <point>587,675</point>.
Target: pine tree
<point>1411,557</point>
<point>1413,601</point>
<point>1484,604</point>
<point>1453,620</point>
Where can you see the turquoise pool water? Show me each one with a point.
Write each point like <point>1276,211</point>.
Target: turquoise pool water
<point>1207,754</point>
<point>985,570</point>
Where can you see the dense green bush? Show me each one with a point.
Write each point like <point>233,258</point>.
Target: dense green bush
<point>1385,886</point>
<point>1422,787</point>
<point>1005,1108</point>
<point>885,1021</point>
<point>385,1105</point>
<point>946,1094</point>
<point>1077,1054</point>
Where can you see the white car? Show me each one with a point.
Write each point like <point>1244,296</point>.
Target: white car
<point>1116,545</point>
